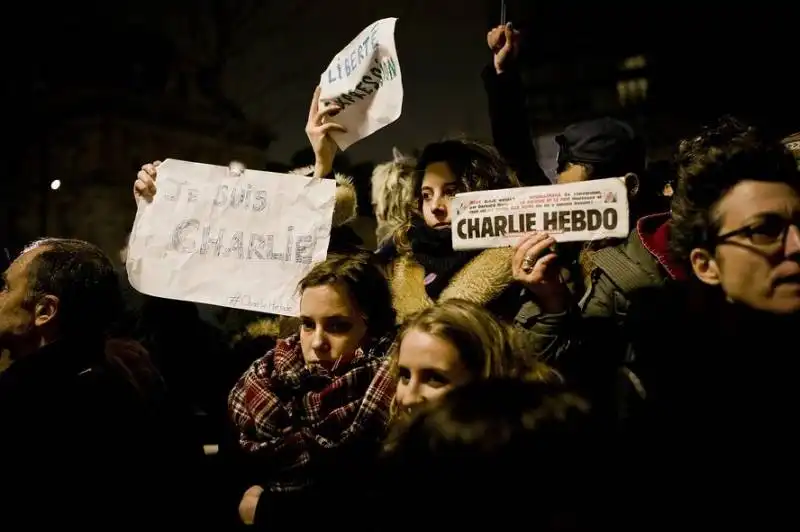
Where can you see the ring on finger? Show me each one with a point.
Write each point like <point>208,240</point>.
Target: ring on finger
<point>527,264</point>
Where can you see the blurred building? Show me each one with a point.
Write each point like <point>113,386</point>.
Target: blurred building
<point>666,68</point>
<point>83,133</point>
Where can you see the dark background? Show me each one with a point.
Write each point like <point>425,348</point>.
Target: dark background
<point>92,90</point>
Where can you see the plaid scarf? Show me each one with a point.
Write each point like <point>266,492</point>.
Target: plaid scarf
<point>292,416</point>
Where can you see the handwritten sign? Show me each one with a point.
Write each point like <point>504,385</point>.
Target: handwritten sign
<point>364,80</point>
<point>241,240</point>
<point>589,210</point>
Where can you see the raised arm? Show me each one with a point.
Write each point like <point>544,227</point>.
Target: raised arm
<point>507,110</point>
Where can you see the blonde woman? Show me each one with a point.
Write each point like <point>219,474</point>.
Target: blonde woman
<point>453,343</point>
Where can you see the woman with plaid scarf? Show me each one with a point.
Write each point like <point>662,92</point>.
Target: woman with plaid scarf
<point>310,414</point>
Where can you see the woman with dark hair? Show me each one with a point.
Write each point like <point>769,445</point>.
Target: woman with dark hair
<point>422,265</point>
<point>310,414</point>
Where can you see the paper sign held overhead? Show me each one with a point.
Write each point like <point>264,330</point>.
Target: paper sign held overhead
<point>589,210</point>
<point>241,240</point>
<point>364,80</point>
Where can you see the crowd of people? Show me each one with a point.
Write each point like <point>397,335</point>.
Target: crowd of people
<point>552,386</point>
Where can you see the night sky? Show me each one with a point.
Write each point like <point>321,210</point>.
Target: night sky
<point>267,56</point>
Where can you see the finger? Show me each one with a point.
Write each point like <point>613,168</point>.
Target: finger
<point>540,268</point>
<point>523,246</point>
<point>236,168</point>
<point>146,179</point>
<point>533,235</point>
<point>314,108</point>
<point>143,190</point>
<point>329,110</point>
<point>493,38</point>
<point>548,259</point>
<point>508,39</point>
<point>534,249</point>
<point>541,248</point>
<point>331,126</point>
<point>151,168</point>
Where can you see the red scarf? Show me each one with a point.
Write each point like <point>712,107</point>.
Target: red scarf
<point>288,412</point>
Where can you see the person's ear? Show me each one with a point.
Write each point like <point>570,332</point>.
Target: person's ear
<point>705,266</point>
<point>46,310</point>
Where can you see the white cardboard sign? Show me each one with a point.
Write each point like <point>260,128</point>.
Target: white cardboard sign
<point>364,80</point>
<point>241,240</point>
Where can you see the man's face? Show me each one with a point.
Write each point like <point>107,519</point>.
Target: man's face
<point>757,259</point>
<point>17,315</point>
<point>573,173</point>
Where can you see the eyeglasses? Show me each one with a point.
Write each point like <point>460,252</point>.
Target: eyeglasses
<point>768,233</point>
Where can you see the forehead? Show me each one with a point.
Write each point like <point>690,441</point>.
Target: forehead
<point>437,175</point>
<point>19,268</point>
<point>420,350</point>
<point>326,300</point>
<point>749,199</point>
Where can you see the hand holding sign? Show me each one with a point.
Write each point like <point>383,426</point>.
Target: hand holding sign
<point>227,236</point>
<point>503,41</point>
<point>365,82</point>
<point>318,129</point>
<point>534,265</point>
<point>145,185</point>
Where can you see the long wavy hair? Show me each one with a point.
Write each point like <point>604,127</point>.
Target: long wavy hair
<point>477,166</point>
<point>487,347</point>
<point>392,193</point>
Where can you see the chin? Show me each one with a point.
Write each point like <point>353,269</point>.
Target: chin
<point>786,300</point>
<point>787,308</point>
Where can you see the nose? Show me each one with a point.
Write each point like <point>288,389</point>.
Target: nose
<point>792,247</point>
<point>319,342</point>
<point>440,205</point>
<point>409,396</point>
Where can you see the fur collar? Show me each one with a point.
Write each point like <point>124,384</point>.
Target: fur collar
<point>480,281</point>
<point>346,205</point>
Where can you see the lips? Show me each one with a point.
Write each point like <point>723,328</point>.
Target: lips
<point>790,279</point>
<point>787,272</point>
<point>442,225</point>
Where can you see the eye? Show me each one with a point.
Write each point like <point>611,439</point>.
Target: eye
<point>307,324</point>
<point>403,375</point>
<point>338,327</point>
<point>767,231</point>
<point>437,380</point>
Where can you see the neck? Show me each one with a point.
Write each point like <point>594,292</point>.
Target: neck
<point>27,347</point>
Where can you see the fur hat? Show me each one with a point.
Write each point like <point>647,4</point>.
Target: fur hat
<point>345,208</point>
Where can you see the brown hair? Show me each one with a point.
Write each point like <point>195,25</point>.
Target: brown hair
<point>366,284</point>
<point>709,166</point>
<point>477,166</point>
